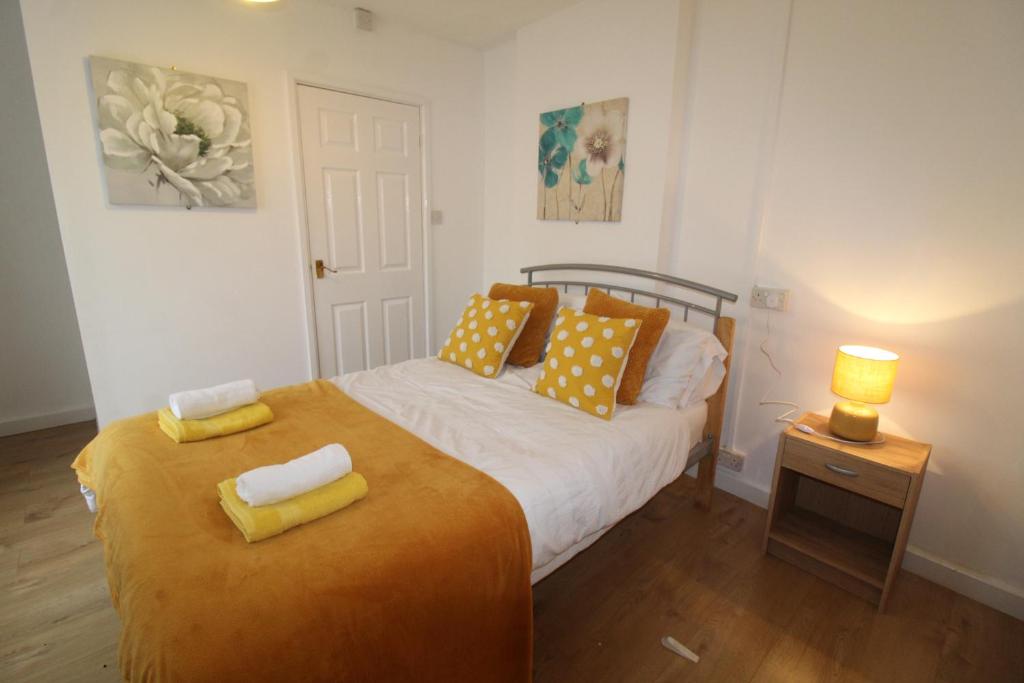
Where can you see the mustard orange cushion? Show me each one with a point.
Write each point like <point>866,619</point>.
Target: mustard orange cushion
<point>654,322</point>
<point>528,347</point>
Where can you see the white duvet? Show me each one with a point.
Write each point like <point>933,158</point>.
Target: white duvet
<point>573,474</point>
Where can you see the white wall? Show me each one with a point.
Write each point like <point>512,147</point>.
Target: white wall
<point>588,52</point>
<point>43,381</point>
<point>868,156</point>
<point>169,299</point>
<point>893,211</point>
<point>734,76</point>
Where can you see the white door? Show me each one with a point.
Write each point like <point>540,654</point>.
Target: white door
<point>364,198</point>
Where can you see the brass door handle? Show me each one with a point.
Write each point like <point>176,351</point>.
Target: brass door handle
<point>319,266</point>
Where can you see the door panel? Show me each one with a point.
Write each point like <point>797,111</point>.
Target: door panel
<point>393,203</point>
<point>350,339</point>
<point>391,137</point>
<point>398,324</point>
<point>338,127</point>
<point>362,170</point>
<point>344,222</point>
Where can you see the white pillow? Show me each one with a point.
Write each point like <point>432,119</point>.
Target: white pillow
<point>571,300</point>
<point>706,387</point>
<point>686,368</point>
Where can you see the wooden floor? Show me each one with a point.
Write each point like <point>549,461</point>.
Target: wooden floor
<point>668,569</point>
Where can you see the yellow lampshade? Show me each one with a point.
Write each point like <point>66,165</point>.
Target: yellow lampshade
<point>864,373</point>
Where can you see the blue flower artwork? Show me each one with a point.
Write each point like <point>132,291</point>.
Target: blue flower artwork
<point>581,162</point>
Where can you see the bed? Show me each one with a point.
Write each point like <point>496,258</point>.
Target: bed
<point>574,476</point>
<point>661,289</point>
<point>479,487</point>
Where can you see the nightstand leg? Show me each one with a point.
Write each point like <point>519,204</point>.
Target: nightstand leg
<point>902,536</point>
<point>773,501</point>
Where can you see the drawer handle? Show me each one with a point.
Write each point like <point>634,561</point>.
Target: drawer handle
<point>845,471</point>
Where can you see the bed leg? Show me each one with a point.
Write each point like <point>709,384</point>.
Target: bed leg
<point>706,479</point>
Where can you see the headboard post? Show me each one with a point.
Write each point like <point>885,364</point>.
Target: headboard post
<point>725,329</point>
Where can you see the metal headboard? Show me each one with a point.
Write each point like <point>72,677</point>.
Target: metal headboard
<point>718,294</point>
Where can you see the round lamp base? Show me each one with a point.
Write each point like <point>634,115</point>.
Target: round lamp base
<point>854,421</point>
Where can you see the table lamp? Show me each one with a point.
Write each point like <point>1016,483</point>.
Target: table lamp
<point>864,375</point>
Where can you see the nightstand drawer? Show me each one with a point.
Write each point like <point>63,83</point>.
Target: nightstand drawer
<point>852,474</point>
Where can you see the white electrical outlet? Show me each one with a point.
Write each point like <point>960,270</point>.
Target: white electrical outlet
<point>768,297</point>
<point>731,460</point>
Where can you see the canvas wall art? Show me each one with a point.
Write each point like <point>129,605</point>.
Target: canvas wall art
<point>171,138</point>
<point>582,162</point>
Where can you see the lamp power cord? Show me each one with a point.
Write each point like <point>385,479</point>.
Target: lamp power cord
<point>794,408</point>
<point>785,417</point>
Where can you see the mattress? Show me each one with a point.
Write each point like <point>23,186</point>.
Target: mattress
<point>574,475</point>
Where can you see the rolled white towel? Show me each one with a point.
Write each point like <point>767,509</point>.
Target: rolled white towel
<point>274,483</point>
<point>199,403</point>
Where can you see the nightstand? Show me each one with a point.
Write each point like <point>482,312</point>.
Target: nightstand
<point>842,511</point>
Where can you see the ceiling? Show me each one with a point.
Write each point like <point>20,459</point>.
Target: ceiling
<point>476,23</point>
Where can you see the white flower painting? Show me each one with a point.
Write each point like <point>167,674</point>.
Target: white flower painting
<point>171,138</point>
<point>582,162</point>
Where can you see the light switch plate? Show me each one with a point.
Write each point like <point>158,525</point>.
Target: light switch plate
<point>436,217</point>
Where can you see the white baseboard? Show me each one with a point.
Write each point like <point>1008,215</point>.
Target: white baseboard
<point>730,481</point>
<point>19,425</point>
<point>987,590</point>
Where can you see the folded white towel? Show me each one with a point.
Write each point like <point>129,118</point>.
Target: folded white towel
<point>274,483</point>
<point>199,403</point>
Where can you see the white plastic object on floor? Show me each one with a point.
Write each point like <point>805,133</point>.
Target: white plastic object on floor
<point>89,495</point>
<point>674,645</point>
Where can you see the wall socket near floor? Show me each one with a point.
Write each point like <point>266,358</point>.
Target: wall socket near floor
<point>731,460</point>
<point>769,297</point>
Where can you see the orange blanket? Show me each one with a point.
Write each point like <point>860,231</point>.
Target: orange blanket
<point>427,579</point>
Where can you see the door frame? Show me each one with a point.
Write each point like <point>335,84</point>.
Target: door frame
<point>293,81</point>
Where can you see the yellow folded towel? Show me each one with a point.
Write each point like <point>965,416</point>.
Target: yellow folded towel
<point>237,420</point>
<point>258,523</point>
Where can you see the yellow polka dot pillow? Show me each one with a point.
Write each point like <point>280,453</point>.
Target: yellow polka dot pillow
<point>585,360</point>
<point>485,334</point>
